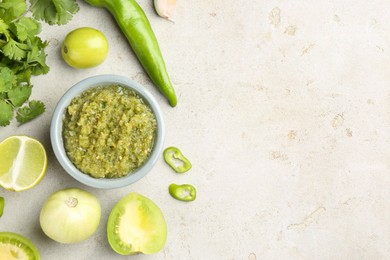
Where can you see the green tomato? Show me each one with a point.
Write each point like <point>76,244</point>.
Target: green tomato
<point>70,215</point>
<point>84,47</point>
<point>15,246</point>
<point>136,225</point>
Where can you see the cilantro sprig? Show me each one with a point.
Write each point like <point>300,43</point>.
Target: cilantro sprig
<point>54,11</point>
<point>22,53</point>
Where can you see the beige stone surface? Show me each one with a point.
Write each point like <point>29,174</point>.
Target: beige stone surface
<point>284,113</point>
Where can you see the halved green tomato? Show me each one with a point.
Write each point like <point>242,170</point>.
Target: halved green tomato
<point>14,246</point>
<point>136,225</point>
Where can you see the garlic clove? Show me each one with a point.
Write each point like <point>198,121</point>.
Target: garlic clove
<point>165,8</point>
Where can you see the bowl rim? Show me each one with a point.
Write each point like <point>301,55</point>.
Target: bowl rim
<point>57,123</point>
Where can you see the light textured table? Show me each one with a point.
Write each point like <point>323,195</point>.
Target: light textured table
<point>284,112</point>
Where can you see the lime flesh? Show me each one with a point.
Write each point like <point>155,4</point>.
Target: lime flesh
<point>23,163</point>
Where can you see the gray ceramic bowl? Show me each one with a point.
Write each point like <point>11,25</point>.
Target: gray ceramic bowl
<point>56,132</point>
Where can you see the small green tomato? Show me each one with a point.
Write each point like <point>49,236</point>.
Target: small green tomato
<point>14,246</point>
<point>136,225</point>
<point>84,47</point>
<point>70,215</point>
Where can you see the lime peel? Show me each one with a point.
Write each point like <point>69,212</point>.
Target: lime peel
<point>23,163</point>
<point>1,206</point>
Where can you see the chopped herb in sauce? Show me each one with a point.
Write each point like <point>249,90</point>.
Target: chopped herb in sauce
<point>108,131</point>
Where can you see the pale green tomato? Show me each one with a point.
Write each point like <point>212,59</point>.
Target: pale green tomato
<point>70,215</point>
<point>84,47</point>
<point>14,246</point>
<point>136,225</point>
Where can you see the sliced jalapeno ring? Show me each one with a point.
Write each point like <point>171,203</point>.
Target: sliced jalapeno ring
<point>183,192</point>
<point>178,162</point>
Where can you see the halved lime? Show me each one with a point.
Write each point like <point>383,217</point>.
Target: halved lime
<point>23,163</point>
<point>1,206</point>
<point>14,246</point>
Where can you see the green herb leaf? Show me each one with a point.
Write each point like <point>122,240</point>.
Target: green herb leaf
<point>22,52</point>
<point>54,11</point>
<point>12,9</point>
<point>23,77</point>
<point>7,79</point>
<point>19,95</point>
<point>6,113</point>
<point>15,50</point>
<point>4,29</point>
<point>26,28</point>
<point>36,58</point>
<point>30,111</point>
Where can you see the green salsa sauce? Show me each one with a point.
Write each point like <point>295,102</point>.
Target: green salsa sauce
<point>108,131</point>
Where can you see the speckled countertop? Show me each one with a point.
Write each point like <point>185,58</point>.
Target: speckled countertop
<point>284,112</point>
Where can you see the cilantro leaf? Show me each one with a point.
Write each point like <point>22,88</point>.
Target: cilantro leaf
<point>19,95</point>
<point>15,50</point>
<point>6,113</point>
<point>26,28</point>
<point>4,29</point>
<point>36,58</point>
<point>54,11</point>
<point>30,111</point>
<point>16,67</point>
<point>23,77</point>
<point>12,9</point>
<point>7,79</point>
<point>22,52</point>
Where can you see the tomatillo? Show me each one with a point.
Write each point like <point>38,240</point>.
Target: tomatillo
<point>84,47</point>
<point>70,215</point>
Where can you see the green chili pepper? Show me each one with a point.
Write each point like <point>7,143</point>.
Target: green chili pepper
<point>178,162</point>
<point>136,27</point>
<point>1,206</point>
<point>183,192</point>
